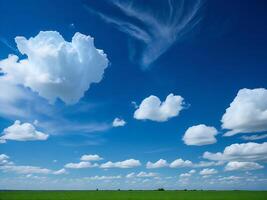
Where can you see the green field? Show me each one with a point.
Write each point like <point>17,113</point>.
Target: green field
<point>133,195</point>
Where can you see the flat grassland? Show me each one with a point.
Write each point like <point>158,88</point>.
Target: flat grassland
<point>133,195</point>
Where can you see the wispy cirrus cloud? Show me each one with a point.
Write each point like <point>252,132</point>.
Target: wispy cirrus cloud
<point>156,28</point>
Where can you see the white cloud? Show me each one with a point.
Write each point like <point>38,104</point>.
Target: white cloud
<point>22,132</point>
<point>141,175</point>
<point>146,174</point>
<point>159,164</point>
<point>9,166</point>
<point>230,178</point>
<point>3,159</point>
<point>130,163</point>
<point>208,163</point>
<point>235,165</point>
<point>240,152</point>
<point>130,175</point>
<point>208,171</point>
<point>21,169</point>
<point>158,30</point>
<point>247,113</point>
<point>61,171</point>
<point>104,177</point>
<point>152,108</point>
<point>200,135</point>
<point>118,122</point>
<point>188,174</point>
<point>80,165</point>
<point>181,163</point>
<point>88,157</point>
<point>254,137</point>
<point>185,175</point>
<point>55,68</point>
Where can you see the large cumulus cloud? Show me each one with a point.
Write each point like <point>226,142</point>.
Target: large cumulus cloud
<point>55,68</point>
<point>247,113</point>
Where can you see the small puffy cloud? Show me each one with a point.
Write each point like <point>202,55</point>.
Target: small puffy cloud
<point>181,163</point>
<point>80,165</point>
<point>235,165</point>
<point>152,108</point>
<point>4,159</point>
<point>254,137</point>
<point>200,135</point>
<point>240,152</point>
<point>22,132</point>
<point>130,163</point>
<point>118,122</point>
<point>159,164</point>
<point>247,113</point>
<point>188,174</point>
<point>89,157</point>
<point>55,68</point>
<point>208,171</point>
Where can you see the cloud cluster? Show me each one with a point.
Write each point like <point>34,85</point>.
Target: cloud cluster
<point>55,68</point>
<point>247,113</point>
<point>236,165</point>
<point>151,108</point>
<point>130,163</point>
<point>240,152</point>
<point>200,135</point>
<point>141,175</point>
<point>21,169</point>
<point>22,132</point>
<point>118,122</point>
<point>8,166</point>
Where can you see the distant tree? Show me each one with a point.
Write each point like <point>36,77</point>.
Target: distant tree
<point>96,189</point>
<point>185,189</point>
<point>161,189</point>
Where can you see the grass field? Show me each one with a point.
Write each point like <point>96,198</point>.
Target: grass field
<point>133,195</point>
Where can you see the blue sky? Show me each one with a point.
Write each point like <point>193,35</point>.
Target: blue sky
<point>175,98</point>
